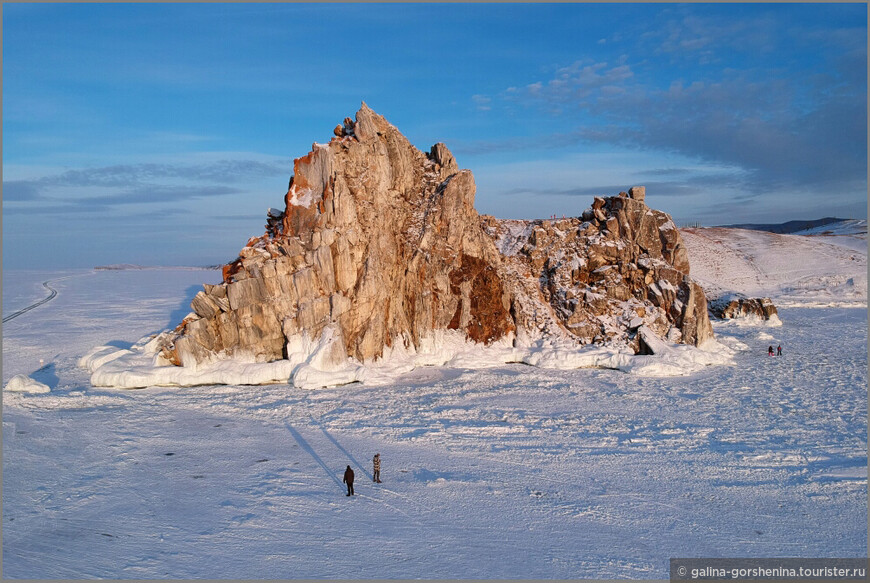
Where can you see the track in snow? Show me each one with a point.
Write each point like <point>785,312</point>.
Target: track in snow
<point>50,297</point>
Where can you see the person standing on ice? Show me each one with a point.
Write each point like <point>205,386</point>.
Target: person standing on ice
<point>348,479</point>
<point>770,350</point>
<point>376,475</point>
<point>779,350</point>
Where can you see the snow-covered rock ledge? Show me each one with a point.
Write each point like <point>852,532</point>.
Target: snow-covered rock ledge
<point>318,364</point>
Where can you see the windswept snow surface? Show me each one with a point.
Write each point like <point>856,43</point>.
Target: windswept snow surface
<point>794,270</point>
<point>510,471</point>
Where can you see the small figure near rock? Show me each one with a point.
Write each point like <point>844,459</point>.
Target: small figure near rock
<point>377,468</point>
<point>769,353</point>
<point>779,350</point>
<point>348,479</point>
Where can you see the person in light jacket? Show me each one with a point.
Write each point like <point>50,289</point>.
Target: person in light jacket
<point>348,479</point>
<point>377,468</point>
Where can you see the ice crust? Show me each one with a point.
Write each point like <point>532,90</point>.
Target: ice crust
<point>314,364</point>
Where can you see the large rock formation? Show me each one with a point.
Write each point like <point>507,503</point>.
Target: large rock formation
<point>619,266</point>
<point>380,243</point>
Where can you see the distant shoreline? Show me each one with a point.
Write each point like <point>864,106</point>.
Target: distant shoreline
<point>125,267</point>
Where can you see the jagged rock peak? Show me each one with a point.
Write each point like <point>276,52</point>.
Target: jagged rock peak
<point>379,243</point>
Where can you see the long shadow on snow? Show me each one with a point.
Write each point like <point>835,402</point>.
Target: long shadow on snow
<point>345,452</point>
<point>47,375</point>
<point>304,445</point>
<point>175,317</point>
<point>184,309</point>
<point>120,344</point>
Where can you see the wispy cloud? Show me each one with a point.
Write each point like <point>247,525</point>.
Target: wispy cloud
<point>151,194</point>
<point>139,183</point>
<point>126,174</point>
<point>580,83</point>
<point>787,128</point>
<point>660,188</point>
<point>686,34</point>
<point>244,217</point>
<point>20,190</point>
<point>482,102</point>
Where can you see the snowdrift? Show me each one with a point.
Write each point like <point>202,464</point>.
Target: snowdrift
<point>318,364</point>
<point>22,383</point>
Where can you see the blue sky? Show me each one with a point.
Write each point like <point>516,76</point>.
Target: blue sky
<point>161,133</point>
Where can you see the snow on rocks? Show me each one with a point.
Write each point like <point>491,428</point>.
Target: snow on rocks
<point>22,383</point>
<point>138,370</point>
<point>100,355</point>
<point>321,363</point>
<point>751,311</point>
<point>670,359</point>
<point>769,444</point>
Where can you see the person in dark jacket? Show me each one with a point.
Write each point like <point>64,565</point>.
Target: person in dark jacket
<point>376,475</point>
<point>348,479</point>
<point>770,350</point>
<point>779,350</point>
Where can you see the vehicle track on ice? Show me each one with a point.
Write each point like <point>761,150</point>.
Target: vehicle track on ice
<point>50,297</point>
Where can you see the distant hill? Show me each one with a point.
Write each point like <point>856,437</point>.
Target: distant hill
<point>788,227</point>
<point>131,266</point>
<point>119,267</point>
<point>804,268</point>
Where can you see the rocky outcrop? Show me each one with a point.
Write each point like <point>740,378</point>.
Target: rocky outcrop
<point>379,243</point>
<point>619,266</point>
<point>731,307</point>
<point>378,240</point>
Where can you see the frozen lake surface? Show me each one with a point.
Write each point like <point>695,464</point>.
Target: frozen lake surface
<point>507,472</point>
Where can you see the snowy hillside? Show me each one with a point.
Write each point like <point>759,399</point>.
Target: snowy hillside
<point>798,270</point>
<point>798,227</point>
<point>856,228</point>
<point>506,472</point>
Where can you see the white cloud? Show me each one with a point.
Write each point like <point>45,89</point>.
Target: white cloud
<point>482,101</point>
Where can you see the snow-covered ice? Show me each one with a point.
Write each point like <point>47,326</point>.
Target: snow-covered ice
<point>509,471</point>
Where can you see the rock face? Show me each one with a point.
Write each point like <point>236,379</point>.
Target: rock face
<point>738,307</point>
<point>603,275</point>
<point>379,243</point>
